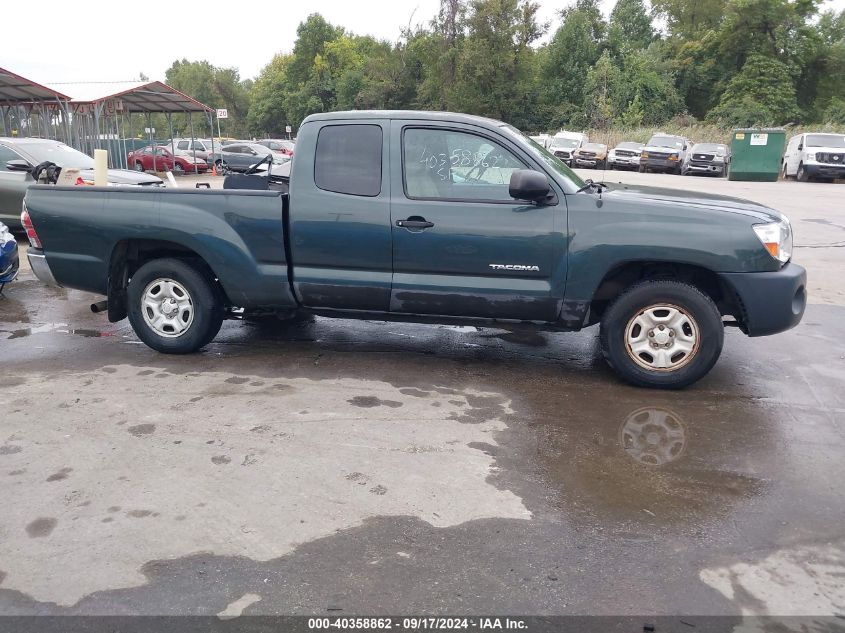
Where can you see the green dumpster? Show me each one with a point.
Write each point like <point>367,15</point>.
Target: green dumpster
<point>756,154</point>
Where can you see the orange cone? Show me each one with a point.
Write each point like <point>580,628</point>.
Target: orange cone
<point>213,169</point>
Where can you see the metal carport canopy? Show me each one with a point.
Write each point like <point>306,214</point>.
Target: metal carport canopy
<point>17,90</point>
<point>149,97</point>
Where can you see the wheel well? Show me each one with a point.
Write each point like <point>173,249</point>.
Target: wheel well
<point>625,275</point>
<point>129,255</point>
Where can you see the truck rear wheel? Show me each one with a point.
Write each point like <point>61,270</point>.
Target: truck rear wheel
<point>663,334</point>
<point>174,307</point>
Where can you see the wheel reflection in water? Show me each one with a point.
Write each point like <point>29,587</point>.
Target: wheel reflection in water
<point>653,436</point>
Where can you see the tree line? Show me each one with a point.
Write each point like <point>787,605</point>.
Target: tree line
<point>726,62</point>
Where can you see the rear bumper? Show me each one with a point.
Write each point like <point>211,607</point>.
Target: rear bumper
<point>39,265</point>
<point>770,302</point>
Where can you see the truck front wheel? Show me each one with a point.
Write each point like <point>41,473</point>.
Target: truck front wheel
<point>174,307</point>
<point>663,334</point>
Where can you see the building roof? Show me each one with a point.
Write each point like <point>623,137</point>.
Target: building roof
<point>15,90</point>
<point>130,96</point>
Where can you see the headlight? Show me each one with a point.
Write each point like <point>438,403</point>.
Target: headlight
<point>811,157</point>
<point>673,157</point>
<point>719,159</point>
<point>776,238</point>
<point>5,235</point>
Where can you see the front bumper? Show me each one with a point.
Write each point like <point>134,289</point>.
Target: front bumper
<point>633,162</point>
<point>587,162</point>
<point>39,265</point>
<point>710,168</point>
<point>769,302</point>
<point>825,171</point>
<point>663,164</point>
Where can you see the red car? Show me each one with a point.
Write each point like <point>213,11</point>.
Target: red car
<point>163,160</point>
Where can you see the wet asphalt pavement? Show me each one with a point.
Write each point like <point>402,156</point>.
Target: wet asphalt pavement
<point>343,467</point>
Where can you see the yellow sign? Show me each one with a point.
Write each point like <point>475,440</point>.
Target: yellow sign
<point>740,136</point>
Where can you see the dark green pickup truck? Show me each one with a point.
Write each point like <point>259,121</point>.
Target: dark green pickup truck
<point>431,217</point>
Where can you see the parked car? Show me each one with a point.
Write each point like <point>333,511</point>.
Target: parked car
<point>543,140</point>
<point>242,156</point>
<point>159,158</point>
<point>8,256</point>
<point>593,155</point>
<point>19,155</point>
<point>377,225</point>
<point>814,155</point>
<point>280,146</point>
<point>707,158</point>
<point>201,146</point>
<point>664,152</point>
<point>625,156</point>
<point>564,144</point>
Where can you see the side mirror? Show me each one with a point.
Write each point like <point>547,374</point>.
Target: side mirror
<point>527,184</point>
<point>18,165</point>
<point>800,147</point>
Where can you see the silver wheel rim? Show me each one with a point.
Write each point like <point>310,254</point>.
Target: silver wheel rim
<point>662,338</point>
<point>167,308</point>
<point>139,167</point>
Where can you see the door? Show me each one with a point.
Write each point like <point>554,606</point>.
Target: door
<point>340,216</point>
<point>461,245</point>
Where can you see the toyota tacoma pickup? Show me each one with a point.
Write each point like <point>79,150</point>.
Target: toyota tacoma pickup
<point>430,217</point>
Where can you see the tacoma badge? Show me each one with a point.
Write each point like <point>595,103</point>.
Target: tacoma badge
<point>514,267</point>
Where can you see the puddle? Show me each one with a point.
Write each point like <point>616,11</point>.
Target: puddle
<point>49,328</point>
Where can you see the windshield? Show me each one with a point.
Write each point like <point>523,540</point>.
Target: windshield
<point>825,140</point>
<point>709,148</point>
<point>666,141</point>
<point>632,146</point>
<point>564,143</point>
<point>58,153</point>
<point>551,161</point>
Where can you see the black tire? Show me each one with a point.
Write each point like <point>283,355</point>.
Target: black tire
<point>139,166</point>
<point>177,170</point>
<point>701,312</point>
<point>203,295</point>
<point>222,167</point>
<point>783,172</point>
<point>801,175</point>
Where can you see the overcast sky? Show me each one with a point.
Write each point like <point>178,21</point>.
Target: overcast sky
<point>111,41</point>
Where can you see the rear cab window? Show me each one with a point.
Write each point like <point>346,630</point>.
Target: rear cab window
<point>348,159</point>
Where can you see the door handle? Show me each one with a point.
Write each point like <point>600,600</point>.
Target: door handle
<point>415,222</point>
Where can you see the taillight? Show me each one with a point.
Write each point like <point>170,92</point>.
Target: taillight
<point>26,221</point>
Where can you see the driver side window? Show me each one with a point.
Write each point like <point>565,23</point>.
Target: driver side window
<point>452,165</point>
<point>5,156</point>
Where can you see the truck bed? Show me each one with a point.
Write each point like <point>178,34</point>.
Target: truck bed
<point>240,234</point>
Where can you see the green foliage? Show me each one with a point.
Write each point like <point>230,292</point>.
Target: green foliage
<point>630,27</point>
<point>575,47</point>
<point>761,94</point>
<point>731,62</point>
<point>835,111</point>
